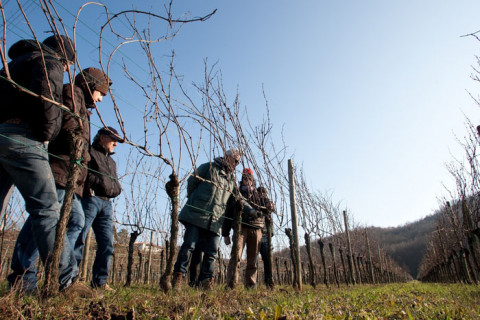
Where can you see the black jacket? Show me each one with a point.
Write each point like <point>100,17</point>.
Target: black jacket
<point>28,69</point>
<point>102,179</point>
<point>60,147</point>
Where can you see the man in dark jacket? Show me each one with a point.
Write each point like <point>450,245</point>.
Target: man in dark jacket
<point>89,87</point>
<point>208,191</point>
<point>101,185</point>
<point>27,124</point>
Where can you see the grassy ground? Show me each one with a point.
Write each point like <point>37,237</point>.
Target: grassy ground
<point>397,301</point>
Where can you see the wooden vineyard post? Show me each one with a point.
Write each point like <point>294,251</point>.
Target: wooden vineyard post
<point>149,262</point>
<point>349,250</point>
<point>86,254</point>
<point>370,263</point>
<point>293,208</point>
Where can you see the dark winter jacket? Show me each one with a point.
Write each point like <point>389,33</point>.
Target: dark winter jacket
<point>28,69</point>
<point>60,147</point>
<point>267,208</point>
<point>208,196</point>
<point>255,209</point>
<point>102,180</point>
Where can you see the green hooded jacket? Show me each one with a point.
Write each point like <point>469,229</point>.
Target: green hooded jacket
<point>208,196</point>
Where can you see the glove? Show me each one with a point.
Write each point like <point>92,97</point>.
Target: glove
<point>227,241</point>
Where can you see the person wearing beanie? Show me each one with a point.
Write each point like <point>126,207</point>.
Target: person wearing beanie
<point>27,124</point>
<point>101,185</point>
<point>250,234</point>
<point>78,97</point>
<point>208,191</point>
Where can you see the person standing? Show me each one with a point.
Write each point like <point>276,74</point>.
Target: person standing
<point>252,222</point>
<point>101,185</point>
<point>89,87</point>
<point>27,124</point>
<point>208,192</point>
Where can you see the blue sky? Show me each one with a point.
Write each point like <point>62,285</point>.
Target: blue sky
<point>370,94</point>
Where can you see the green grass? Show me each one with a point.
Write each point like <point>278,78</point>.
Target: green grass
<point>412,300</point>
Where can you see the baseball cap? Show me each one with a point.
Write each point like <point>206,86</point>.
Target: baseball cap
<point>111,132</point>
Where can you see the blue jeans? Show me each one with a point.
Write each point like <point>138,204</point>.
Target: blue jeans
<point>210,242</point>
<point>26,252</point>
<point>24,163</point>
<point>195,261</point>
<point>77,217</point>
<point>99,216</point>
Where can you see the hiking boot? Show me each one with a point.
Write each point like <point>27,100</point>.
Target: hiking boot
<point>177,280</point>
<point>207,284</point>
<point>270,284</point>
<point>251,286</point>
<point>105,287</point>
<point>78,289</point>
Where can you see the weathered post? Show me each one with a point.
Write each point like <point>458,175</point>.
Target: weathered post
<point>311,267</point>
<point>332,252</point>
<point>293,208</point>
<point>355,270</point>
<point>343,265</point>
<point>162,261</point>
<point>322,255</point>
<point>148,268</point>
<point>85,256</point>
<point>381,263</point>
<point>277,265</point>
<point>140,268</point>
<point>133,237</point>
<point>349,249</point>
<point>370,263</point>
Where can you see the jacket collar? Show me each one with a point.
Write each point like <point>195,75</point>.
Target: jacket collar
<point>98,147</point>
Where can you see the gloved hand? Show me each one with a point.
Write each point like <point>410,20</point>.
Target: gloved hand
<point>227,240</point>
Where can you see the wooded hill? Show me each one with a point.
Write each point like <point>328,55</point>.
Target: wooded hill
<point>406,244</point>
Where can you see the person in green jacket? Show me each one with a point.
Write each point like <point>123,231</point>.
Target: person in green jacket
<point>208,191</point>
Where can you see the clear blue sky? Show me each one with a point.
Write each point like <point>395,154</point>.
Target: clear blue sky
<point>370,93</point>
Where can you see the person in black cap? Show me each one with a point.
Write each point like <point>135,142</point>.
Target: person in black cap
<point>27,123</point>
<point>101,185</point>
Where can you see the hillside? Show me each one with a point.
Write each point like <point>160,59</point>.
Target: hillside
<point>406,244</point>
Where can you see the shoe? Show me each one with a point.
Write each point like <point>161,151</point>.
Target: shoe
<point>105,287</point>
<point>251,286</point>
<point>270,284</point>
<point>177,280</point>
<point>207,284</point>
<point>78,289</point>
